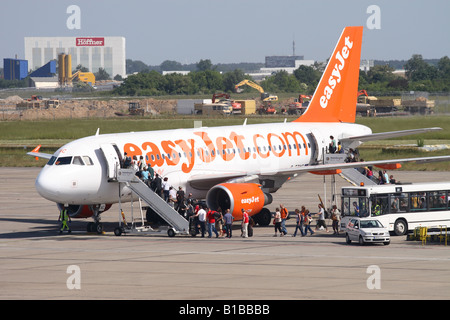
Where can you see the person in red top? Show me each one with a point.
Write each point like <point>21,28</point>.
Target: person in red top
<point>244,224</point>
<point>211,223</point>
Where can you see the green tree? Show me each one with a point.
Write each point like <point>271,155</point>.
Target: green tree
<point>204,65</point>
<point>417,69</point>
<point>230,79</point>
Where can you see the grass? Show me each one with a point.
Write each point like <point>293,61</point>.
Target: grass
<point>19,137</point>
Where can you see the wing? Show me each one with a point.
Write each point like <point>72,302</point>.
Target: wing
<point>387,135</point>
<point>35,153</point>
<point>332,168</point>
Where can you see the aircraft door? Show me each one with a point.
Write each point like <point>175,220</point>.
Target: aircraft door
<point>317,142</point>
<point>112,157</point>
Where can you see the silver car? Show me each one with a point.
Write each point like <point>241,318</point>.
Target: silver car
<point>366,230</point>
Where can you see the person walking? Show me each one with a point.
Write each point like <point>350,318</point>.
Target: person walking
<point>64,217</point>
<point>307,222</point>
<point>284,215</point>
<point>201,215</point>
<point>277,222</point>
<point>299,226</point>
<point>211,219</point>
<point>321,221</point>
<point>336,218</point>
<point>228,217</point>
<point>244,224</point>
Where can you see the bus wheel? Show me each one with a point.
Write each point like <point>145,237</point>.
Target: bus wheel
<point>400,227</point>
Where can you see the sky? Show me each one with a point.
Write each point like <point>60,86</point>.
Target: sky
<point>233,31</point>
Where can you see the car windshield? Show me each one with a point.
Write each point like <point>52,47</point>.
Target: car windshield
<point>365,224</point>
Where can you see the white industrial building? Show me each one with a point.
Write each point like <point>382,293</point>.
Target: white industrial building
<point>90,52</point>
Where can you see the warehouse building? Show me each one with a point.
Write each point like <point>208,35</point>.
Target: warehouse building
<point>90,52</point>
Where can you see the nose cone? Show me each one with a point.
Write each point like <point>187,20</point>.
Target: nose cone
<point>47,186</point>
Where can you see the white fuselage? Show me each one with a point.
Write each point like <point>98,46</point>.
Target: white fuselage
<point>190,158</point>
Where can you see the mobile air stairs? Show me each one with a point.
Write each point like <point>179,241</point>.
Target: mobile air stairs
<point>352,175</point>
<point>177,223</point>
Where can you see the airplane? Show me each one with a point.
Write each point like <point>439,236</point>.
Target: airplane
<point>232,167</point>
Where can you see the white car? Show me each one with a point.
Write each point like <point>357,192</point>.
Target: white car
<point>366,230</point>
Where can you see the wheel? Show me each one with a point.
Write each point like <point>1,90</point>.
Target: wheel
<point>118,231</point>
<point>171,233</point>
<point>90,227</point>
<point>386,243</point>
<point>400,227</point>
<point>361,241</point>
<point>263,218</point>
<point>347,239</point>
<point>98,227</point>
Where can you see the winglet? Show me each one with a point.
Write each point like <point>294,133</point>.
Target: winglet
<point>36,150</point>
<point>35,153</point>
<point>335,97</point>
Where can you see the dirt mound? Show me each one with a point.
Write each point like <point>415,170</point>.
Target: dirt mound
<point>81,108</point>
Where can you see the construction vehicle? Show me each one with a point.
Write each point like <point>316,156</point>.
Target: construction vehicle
<point>86,77</point>
<point>32,103</point>
<point>265,97</point>
<point>417,102</point>
<point>236,107</point>
<point>299,105</point>
<point>135,109</point>
<point>51,103</point>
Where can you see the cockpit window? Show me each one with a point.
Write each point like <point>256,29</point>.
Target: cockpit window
<point>88,161</point>
<point>51,161</point>
<point>63,160</point>
<point>78,161</point>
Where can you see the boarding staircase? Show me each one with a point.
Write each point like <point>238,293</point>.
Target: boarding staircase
<point>155,202</point>
<point>354,176</point>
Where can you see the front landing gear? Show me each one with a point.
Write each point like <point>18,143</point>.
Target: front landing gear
<point>95,226</point>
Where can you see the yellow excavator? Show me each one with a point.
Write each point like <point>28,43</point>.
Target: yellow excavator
<point>264,95</point>
<point>266,98</point>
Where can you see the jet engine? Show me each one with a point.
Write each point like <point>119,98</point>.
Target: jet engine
<point>237,196</point>
<point>83,211</point>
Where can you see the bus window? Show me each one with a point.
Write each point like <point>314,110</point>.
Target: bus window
<point>417,201</point>
<point>437,200</point>
<point>380,204</point>
<point>399,203</point>
<point>355,206</point>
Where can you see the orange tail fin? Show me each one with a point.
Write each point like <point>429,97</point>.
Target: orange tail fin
<point>336,94</point>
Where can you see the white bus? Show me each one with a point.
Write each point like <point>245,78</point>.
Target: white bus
<point>399,207</point>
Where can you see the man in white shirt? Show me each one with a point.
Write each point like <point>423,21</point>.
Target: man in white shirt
<point>201,214</point>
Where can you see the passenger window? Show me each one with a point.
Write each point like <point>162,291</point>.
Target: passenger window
<point>77,161</point>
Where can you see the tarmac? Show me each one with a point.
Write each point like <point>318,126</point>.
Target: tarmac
<point>36,263</point>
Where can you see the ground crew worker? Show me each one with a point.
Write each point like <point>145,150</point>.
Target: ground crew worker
<point>64,217</point>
